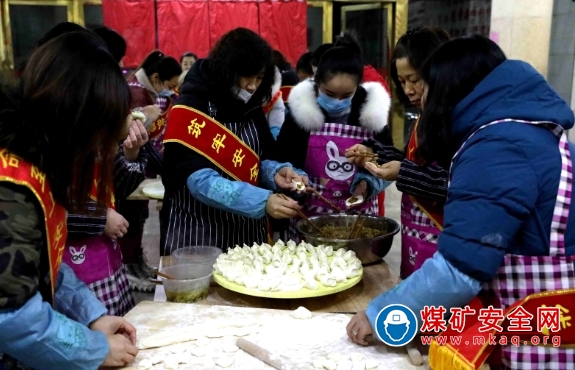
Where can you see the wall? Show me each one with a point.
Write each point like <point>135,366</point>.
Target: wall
<point>523,29</point>
<point>458,17</point>
<point>562,52</point>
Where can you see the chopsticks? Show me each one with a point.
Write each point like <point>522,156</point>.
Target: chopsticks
<point>163,275</point>
<point>333,206</point>
<point>300,213</point>
<point>355,229</point>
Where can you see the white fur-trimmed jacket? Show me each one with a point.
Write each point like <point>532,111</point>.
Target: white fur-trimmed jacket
<point>369,108</point>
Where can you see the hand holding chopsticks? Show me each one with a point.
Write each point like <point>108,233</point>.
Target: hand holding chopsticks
<point>359,155</point>
<point>302,215</point>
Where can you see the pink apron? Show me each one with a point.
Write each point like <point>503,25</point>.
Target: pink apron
<point>97,262</point>
<point>520,276</point>
<point>419,236</point>
<point>330,172</point>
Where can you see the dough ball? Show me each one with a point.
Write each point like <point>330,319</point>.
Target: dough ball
<point>145,364</point>
<point>336,356</point>
<point>301,313</point>
<point>318,362</point>
<point>330,364</point>
<point>198,351</point>
<point>356,357</point>
<point>230,348</point>
<point>344,365</point>
<point>371,364</point>
<point>225,361</point>
<point>171,363</point>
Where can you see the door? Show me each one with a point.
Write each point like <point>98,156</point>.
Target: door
<point>373,24</point>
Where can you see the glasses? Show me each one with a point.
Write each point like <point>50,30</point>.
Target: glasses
<point>334,166</point>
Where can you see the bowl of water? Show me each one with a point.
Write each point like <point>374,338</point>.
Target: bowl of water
<point>190,282</point>
<point>198,254</point>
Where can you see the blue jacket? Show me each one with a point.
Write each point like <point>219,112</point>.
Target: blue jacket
<point>502,193</point>
<point>56,338</point>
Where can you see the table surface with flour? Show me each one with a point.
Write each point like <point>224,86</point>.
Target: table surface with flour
<point>216,328</point>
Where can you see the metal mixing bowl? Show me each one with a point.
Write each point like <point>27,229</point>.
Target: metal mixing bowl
<point>367,250</point>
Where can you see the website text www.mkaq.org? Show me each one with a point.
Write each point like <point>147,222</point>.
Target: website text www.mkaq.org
<point>492,340</point>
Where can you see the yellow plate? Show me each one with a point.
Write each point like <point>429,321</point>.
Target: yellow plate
<point>303,293</point>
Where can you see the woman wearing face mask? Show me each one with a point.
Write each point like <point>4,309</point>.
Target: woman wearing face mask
<point>152,88</point>
<point>326,117</point>
<point>423,184</point>
<point>218,148</point>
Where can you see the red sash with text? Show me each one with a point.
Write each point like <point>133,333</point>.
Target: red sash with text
<point>214,141</point>
<point>534,320</point>
<point>111,200</point>
<point>15,170</point>
<point>432,209</point>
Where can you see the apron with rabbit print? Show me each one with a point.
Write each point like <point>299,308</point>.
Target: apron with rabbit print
<point>330,172</point>
<point>97,262</point>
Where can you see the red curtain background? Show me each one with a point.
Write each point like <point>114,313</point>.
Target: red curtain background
<point>135,21</point>
<point>196,25</point>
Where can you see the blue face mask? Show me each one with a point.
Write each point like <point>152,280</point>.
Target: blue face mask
<point>333,106</point>
<point>166,93</point>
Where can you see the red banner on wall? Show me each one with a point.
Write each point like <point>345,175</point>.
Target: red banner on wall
<point>284,25</point>
<point>135,21</point>
<point>184,26</point>
<point>196,25</point>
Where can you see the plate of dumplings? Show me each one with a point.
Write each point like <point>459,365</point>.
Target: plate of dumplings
<point>287,270</point>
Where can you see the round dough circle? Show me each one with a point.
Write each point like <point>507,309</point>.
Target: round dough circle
<point>225,361</point>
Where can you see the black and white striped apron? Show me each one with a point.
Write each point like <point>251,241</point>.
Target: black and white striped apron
<point>193,223</point>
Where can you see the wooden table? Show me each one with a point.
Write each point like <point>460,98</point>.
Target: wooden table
<point>377,278</point>
<point>138,194</point>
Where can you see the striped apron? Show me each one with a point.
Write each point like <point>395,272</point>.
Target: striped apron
<point>192,223</point>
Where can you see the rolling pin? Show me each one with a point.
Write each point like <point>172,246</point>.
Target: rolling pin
<point>263,354</point>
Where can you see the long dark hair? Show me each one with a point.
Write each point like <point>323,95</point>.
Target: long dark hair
<point>241,53</point>
<point>157,62</point>
<point>67,115</point>
<point>343,57</point>
<point>451,73</point>
<point>416,45</point>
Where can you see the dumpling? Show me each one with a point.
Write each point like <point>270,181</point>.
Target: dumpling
<point>348,255</point>
<point>351,272</point>
<point>327,280</point>
<point>328,251</point>
<point>339,275</point>
<point>340,252</point>
<point>309,282</point>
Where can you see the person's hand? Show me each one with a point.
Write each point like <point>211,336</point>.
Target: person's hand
<point>137,137</point>
<point>286,177</point>
<point>360,189</point>
<point>356,154</point>
<point>111,325</point>
<point>387,171</point>
<point>121,353</point>
<point>152,113</point>
<point>358,328</point>
<point>278,207</point>
<point>116,225</point>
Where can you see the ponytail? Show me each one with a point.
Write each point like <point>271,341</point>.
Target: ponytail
<point>343,58</point>
<point>157,62</point>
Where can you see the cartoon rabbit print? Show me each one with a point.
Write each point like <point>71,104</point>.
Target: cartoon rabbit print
<point>78,257</point>
<point>337,166</point>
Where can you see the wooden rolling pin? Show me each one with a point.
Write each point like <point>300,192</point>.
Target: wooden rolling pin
<point>263,354</point>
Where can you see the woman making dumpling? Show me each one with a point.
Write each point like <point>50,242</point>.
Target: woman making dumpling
<point>509,230</point>
<point>423,184</point>
<point>219,176</point>
<point>328,115</point>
